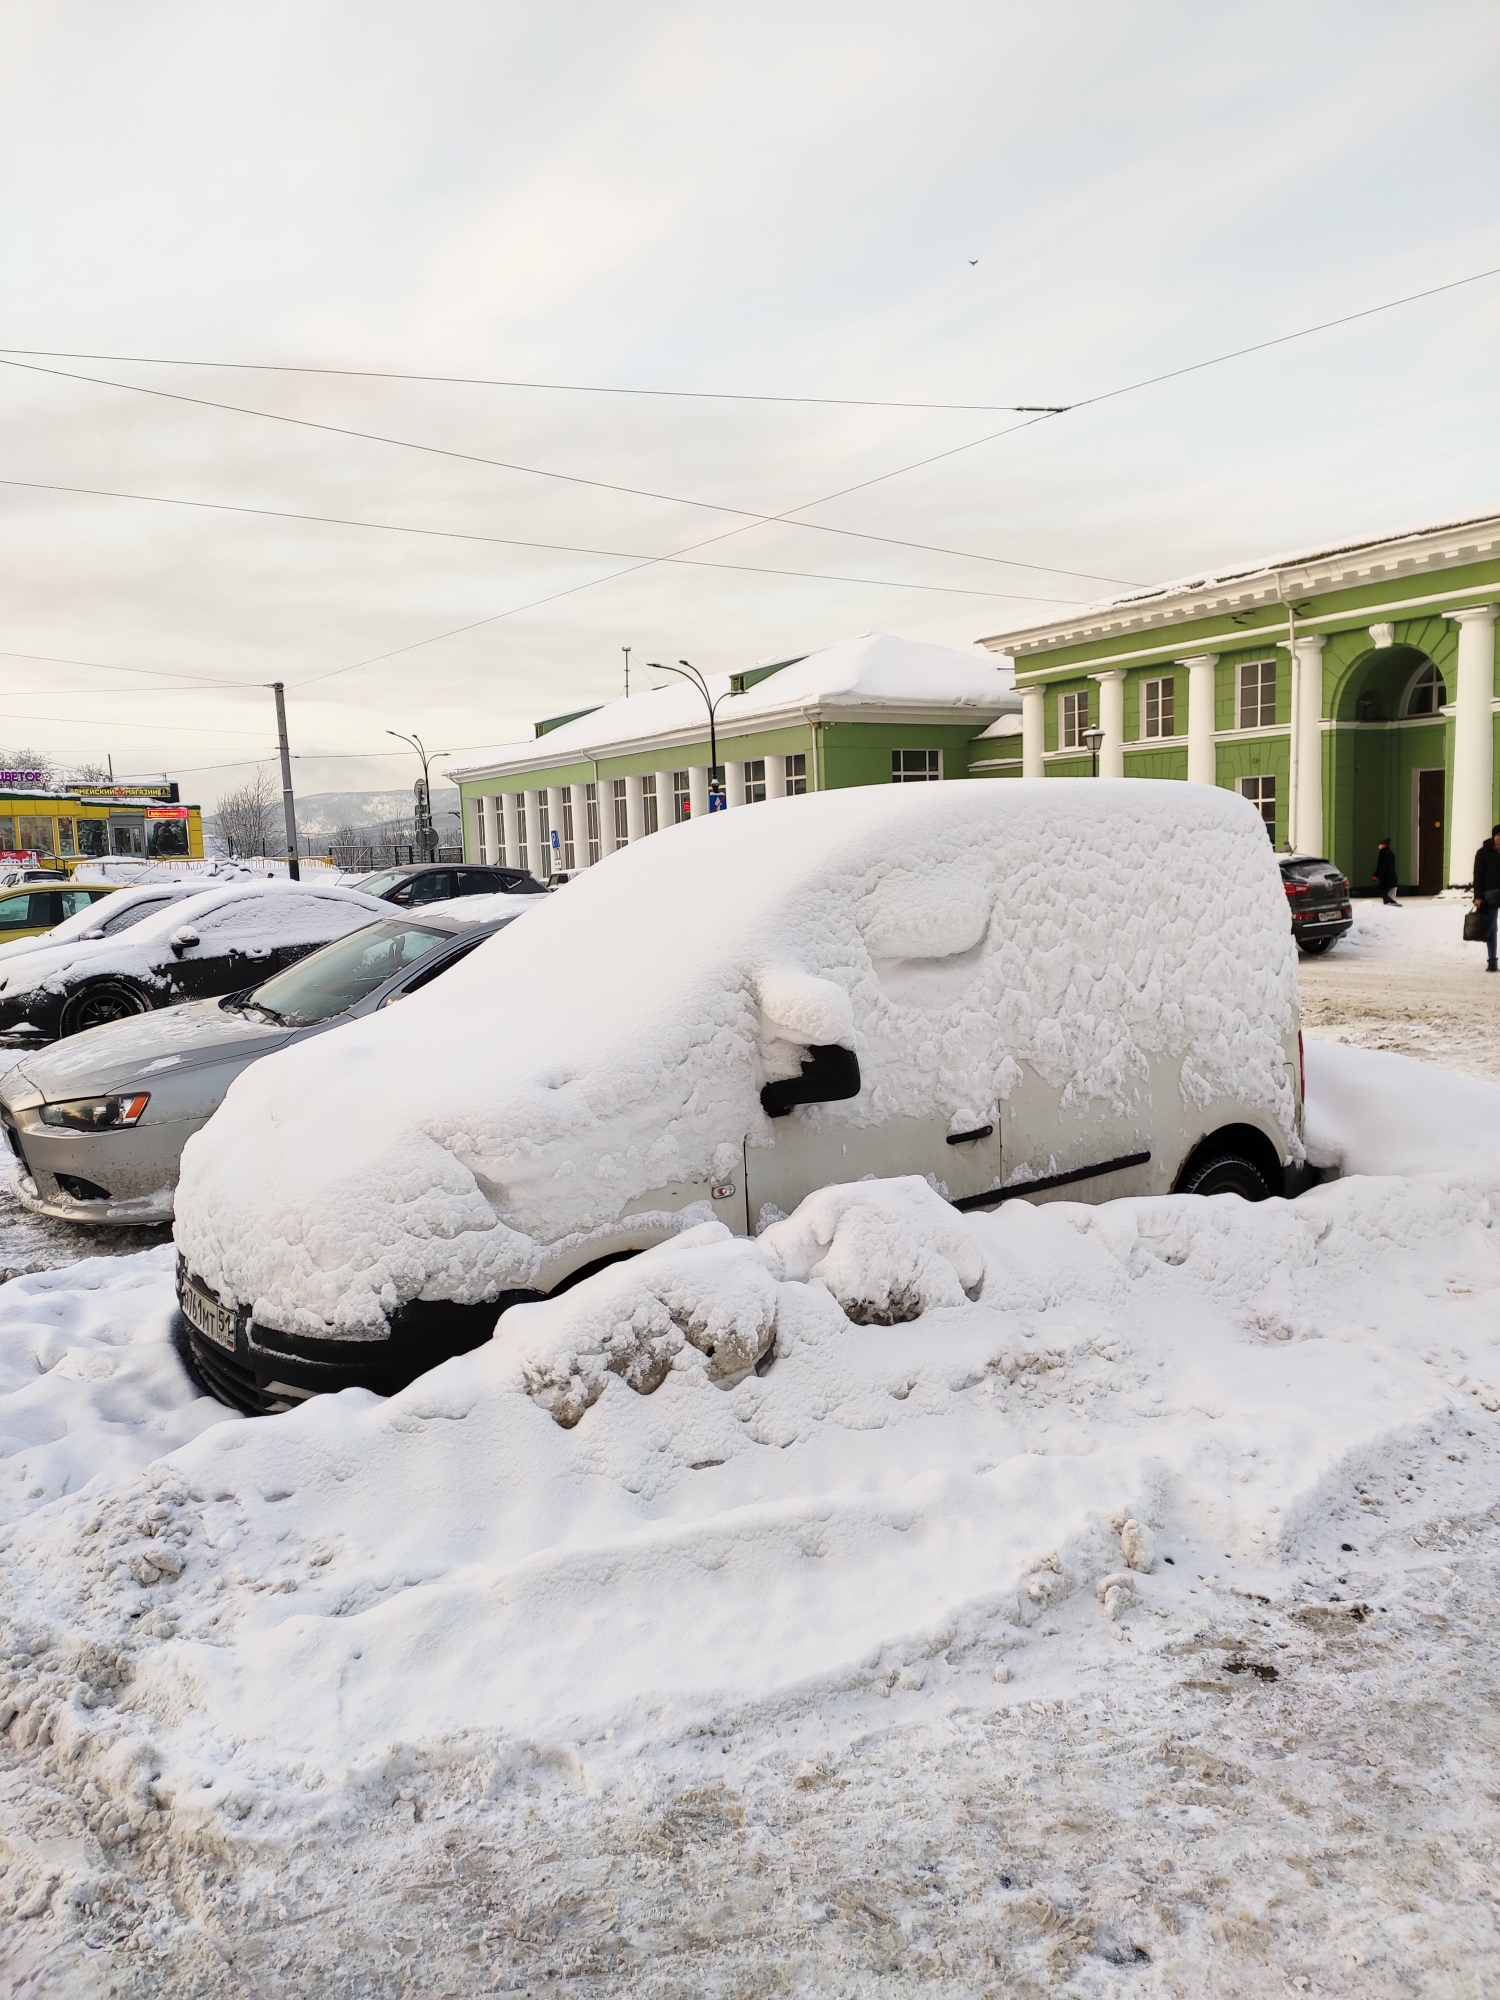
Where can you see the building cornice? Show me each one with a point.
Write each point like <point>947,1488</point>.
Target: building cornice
<point>1267,588</point>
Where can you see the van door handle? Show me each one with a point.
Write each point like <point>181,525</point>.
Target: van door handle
<point>962,1138</point>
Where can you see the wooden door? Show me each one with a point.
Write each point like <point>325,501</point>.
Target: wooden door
<point>1430,786</point>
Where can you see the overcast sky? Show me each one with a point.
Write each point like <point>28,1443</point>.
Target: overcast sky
<point>979,204</point>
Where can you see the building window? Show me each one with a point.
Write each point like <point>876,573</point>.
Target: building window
<point>1261,792</point>
<point>36,835</point>
<point>522,843</point>
<point>65,837</point>
<point>1072,719</point>
<point>591,814</point>
<point>796,774</point>
<point>755,781</point>
<point>497,821</point>
<point>1159,708</point>
<point>544,835</point>
<point>622,814</point>
<point>916,767</point>
<point>1425,696</point>
<point>1257,694</point>
<point>648,802</point>
<point>569,851</point>
<point>682,797</point>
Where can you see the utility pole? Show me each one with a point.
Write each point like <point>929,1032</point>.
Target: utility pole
<point>289,805</point>
<point>626,651</point>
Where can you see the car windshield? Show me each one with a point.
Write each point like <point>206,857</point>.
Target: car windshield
<point>329,981</point>
<point>376,885</point>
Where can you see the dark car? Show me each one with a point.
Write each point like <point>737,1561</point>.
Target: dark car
<point>193,948</point>
<point>441,881</point>
<point>1318,896</point>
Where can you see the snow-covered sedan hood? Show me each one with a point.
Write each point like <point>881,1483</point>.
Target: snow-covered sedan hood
<point>129,1052</point>
<point>616,1042</point>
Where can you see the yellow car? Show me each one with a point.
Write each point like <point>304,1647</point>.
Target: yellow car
<point>27,911</point>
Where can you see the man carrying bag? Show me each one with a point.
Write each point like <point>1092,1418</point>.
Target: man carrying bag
<point>1486,898</point>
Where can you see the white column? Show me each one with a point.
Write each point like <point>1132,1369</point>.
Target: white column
<point>535,860</point>
<point>1307,722</point>
<point>1473,808</point>
<point>606,794</point>
<point>664,806</point>
<point>635,810</point>
<point>1033,730</point>
<point>698,790</point>
<point>555,796</point>
<point>734,784</point>
<point>489,831</point>
<point>580,797</point>
<point>472,835</point>
<point>776,777</point>
<point>1112,722</point>
<point>1203,764</point>
<point>510,819</point>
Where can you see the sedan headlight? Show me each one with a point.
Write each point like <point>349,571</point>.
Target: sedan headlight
<point>96,1114</point>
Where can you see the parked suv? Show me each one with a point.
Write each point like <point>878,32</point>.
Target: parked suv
<point>1016,991</point>
<point>441,881</point>
<point>1318,894</point>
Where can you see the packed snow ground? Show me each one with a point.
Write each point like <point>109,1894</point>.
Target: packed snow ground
<point>1127,1627</point>
<point>1404,980</point>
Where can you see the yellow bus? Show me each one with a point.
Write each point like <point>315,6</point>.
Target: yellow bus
<point>60,829</point>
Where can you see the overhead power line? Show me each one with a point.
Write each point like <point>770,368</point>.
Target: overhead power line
<point>498,382</point>
<point>514,542</point>
<point>747,514</point>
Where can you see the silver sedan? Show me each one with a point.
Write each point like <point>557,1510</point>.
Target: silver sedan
<point>98,1122</point>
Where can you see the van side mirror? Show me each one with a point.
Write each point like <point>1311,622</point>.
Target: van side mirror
<point>183,940</point>
<point>832,1074</point>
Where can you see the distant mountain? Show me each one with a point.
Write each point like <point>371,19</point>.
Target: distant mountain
<point>326,812</point>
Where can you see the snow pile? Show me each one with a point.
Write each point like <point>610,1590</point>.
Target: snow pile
<point>244,917</point>
<point>616,1042</point>
<point>1372,1113</point>
<point>695,1483</point>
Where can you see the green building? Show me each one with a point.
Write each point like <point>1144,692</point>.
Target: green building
<point>1349,692</point>
<point>875,710</point>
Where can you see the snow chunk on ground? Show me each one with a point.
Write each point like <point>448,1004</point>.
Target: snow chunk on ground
<point>888,1251</point>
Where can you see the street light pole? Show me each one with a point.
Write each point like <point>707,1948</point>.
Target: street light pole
<point>288,803</point>
<point>1093,738</point>
<point>425,826</point>
<point>685,670</point>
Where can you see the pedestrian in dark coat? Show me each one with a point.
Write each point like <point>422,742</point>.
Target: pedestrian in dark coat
<point>1487,891</point>
<point>1385,873</point>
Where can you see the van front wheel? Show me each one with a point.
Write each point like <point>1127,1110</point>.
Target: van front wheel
<point>1226,1173</point>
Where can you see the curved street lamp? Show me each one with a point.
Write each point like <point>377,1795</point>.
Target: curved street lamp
<point>686,671</point>
<point>426,829</point>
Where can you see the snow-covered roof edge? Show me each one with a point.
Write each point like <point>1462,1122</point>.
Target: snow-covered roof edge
<point>876,671</point>
<point>1411,544</point>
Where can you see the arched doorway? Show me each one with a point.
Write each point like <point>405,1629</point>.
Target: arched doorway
<point>1390,754</point>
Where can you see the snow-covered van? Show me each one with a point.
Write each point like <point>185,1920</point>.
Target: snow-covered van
<point>1066,989</point>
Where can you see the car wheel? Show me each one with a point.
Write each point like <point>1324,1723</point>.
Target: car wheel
<point>1313,946</point>
<point>112,1001</point>
<point>1225,1173</point>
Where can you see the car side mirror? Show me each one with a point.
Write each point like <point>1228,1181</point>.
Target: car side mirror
<point>90,936</point>
<point>832,1074</point>
<point>183,940</point>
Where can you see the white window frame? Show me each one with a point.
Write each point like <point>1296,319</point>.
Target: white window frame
<point>755,781</point>
<point>1072,718</point>
<point>544,834</point>
<point>620,801</point>
<point>569,851</point>
<point>682,796</point>
<point>591,817</point>
<point>1157,686</point>
<point>648,802</point>
<point>1260,797</point>
<point>1263,688</point>
<point>930,773</point>
<point>1440,693</point>
<point>796,773</point>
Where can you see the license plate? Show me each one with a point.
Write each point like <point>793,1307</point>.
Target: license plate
<point>205,1313</point>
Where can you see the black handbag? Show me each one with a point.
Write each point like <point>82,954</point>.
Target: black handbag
<point>1476,926</point>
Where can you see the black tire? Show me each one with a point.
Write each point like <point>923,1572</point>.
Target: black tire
<point>1225,1173</point>
<point>1314,946</point>
<point>112,1000</point>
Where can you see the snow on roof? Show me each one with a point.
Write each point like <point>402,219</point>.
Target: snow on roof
<point>876,670</point>
<point>1211,580</point>
<point>616,1042</point>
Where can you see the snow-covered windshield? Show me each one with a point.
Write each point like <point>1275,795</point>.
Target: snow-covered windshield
<point>376,885</point>
<point>329,981</point>
<point>130,913</point>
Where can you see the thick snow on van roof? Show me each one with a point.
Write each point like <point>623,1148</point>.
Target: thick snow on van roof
<point>616,1042</point>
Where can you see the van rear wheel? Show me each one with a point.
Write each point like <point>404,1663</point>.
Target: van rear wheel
<point>1226,1173</point>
